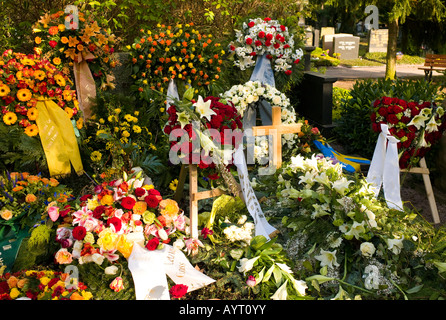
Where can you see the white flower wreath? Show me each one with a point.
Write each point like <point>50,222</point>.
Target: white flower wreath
<point>265,37</point>
<point>251,92</point>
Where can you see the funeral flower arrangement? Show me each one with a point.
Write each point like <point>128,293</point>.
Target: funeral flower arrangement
<point>25,199</point>
<point>65,38</point>
<point>338,224</point>
<point>41,285</point>
<point>179,52</point>
<point>417,126</point>
<point>247,95</point>
<point>213,128</point>
<point>117,214</point>
<point>23,80</point>
<point>265,37</point>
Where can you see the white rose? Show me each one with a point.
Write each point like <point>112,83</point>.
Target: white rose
<point>97,258</point>
<point>367,249</point>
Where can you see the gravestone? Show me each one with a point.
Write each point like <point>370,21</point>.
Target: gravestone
<point>327,41</point>
<point>378,40</point>
<point>308,37</point>
<point>347,47</point>
<point>327,31</point>
<point>316,37</point>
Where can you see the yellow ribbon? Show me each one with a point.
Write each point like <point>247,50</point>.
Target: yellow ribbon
<point>58,139</point>
<point>85,85</point>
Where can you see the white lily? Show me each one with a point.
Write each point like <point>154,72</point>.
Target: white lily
<point>281,293</point>
<point>247,264</point>
<point>418,121</point>
<point>328,258</point>
<point>432,125</point>
<point>204,108</point>
<point>341,185</point>
<point>183,118</point>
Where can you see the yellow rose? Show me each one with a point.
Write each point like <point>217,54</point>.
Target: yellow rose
<point>107,200</point>
<point>14,293</point>
<point>107,240</point>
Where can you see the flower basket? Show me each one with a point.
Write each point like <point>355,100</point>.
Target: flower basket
<point>417,126</point>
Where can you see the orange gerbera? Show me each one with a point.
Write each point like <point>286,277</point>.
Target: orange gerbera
<point>64,40</point>
<point>31,130</point>
<point>53,30</point>
<point>9,118</point>
<point>140,207</point>
<point>169,209</point>
<point>24,94</point>
<point>4,90</point>
<point>39,75</point>
<point>32,114</point>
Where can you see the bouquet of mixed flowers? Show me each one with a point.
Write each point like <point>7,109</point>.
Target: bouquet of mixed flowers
<point>41,285</point>
<point>180,52</point>
<point>117,136</point>
<point>213,115</point>
<point>417,126</point>
<point>85,40</point>
<point>265,37</point>
<point>25,199</point>
<point>23,79</point>
<point>117,214</point>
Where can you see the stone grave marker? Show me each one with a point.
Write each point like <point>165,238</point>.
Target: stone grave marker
<point>308,37</point>
<point>327,31</point>
<point>378,40</point>
<point>327,41</point>
<point>347,47</point>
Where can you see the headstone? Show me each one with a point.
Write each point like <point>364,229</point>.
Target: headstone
<point>327,41</point>
<point>308,37</point>
<point>346,47</point>
<point>327,31</point>
<point>378,40</point>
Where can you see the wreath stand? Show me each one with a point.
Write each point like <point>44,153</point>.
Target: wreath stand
<point>422,169</point>
<point>276,130</point>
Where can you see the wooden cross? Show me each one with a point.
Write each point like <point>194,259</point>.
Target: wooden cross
<point>276,130</point>
<point>194,195</point>
<point>422,169</point>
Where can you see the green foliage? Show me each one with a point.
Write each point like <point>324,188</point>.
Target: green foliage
<point>354,125</point>
<point>340,95</point>
<point>320,58</point>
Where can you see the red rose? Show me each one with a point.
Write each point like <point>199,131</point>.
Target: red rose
<point>178,290</point>
<point>258,43</point>
<point>288,72</point>
<point>251,24</point>
<point>85,197</point>
<point>79,233</point>
<point>296,61</point>
<point>269,36</point>
<point>52,43</point>
<point>387,101</point>
<point>261,34</point>
<point>283,28</point>
<point>152,200</point>
<point>392,119</point>
<point>116,222</point>
<point>128,203</point>
<point>98,211</point>
<point>267,19</point>
<point>139,192</point>
<point>383,111</point>
<point>276,45</point>
<point>152,244</point>
<point>248,41</point>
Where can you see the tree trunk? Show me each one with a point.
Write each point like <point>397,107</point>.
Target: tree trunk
<point>391,50</point>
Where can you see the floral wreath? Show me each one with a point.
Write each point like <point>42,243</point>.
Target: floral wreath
<point>24,78</point>
<point>66,45</point>
<point>265,37</point>
<point>417,126</point>
<point>213,113</point>
<point>251,92</point>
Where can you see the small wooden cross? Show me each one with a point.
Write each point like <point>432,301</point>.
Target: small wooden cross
<point>276,130</point>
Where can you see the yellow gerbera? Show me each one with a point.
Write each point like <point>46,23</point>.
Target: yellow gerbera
<point>31,130</point>
<point>9,118</point>
<point>32,114</point>
<point>24,94</point>
<point>4,90</point>
<point>60,80</point>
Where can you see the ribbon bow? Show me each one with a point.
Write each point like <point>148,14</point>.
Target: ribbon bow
<point>385,170</point>
<point>85,85</point>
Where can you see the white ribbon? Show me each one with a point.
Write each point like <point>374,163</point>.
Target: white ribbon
<point>385,170</point>
<point>252,204</point>
<point>150,268</point>
<point>172,93</point>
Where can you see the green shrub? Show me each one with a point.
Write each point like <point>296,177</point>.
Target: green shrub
<point>340,95</point>
<point>354,126</point>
